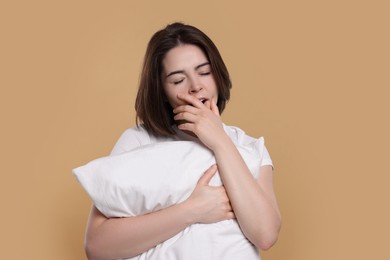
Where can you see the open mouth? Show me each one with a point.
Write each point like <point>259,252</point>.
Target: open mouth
<point>203,100</point>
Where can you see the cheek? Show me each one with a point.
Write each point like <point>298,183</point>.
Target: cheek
<point>174,102</point>
<point>171,96</point>
<point>172,99</point>
<point>213,84</point>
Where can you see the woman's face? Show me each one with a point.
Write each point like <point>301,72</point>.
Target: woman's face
<point>186,70</point>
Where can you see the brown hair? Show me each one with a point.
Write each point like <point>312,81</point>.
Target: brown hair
<point>151,106</point>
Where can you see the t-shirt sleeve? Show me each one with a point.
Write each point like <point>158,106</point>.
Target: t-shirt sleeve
<point>130,139</point>
<point>266,160</point>
<point>241,138</point>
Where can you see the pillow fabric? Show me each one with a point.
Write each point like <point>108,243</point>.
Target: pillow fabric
<point>156,176</point>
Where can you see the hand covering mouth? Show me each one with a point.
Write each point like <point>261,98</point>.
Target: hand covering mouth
<point>203,100</point>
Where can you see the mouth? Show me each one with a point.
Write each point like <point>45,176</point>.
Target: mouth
<point>203,100</point>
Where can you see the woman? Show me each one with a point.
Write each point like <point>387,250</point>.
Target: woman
<point>184,87</point>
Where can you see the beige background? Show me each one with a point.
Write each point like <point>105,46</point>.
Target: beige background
<point>310,76</point>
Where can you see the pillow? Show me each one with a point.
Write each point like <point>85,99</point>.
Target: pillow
<point>153,177</point>
<point>156,176</point>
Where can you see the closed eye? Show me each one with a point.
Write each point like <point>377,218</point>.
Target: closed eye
<point>205,73</point>
<point>178,81</point>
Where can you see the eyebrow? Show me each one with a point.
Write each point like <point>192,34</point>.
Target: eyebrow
<point>182,71</point>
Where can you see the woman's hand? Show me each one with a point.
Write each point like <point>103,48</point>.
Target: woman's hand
<point>209,204</point>
<point>201,119</point>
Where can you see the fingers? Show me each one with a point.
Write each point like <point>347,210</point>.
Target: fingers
<point>191,114</point>
<point>185,112</point>
<point>194,106</point>
<point>187,127</point>
<point>229,211</point>
<point>185,116</point>
<point>214,107</point>
<point>205,179</point>
<point>185,108</point>
<point>211,105</point>
<point>230,215</point>
<point>196,103</point>
<point>191,100</point>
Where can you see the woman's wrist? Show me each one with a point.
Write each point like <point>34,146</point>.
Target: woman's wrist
<point>221,142</point>
<point>188,215</point>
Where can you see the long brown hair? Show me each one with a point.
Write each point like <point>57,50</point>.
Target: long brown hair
<point>151,105</point>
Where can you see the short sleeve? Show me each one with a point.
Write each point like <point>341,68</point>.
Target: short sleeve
<point>239,137</point>
<point>266,160</point>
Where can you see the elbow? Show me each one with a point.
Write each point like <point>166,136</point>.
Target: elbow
<point>92,250</point>
<point>267,240</point>
<point>264,244</point>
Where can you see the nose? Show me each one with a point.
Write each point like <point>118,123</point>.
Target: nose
<point>195,86</point>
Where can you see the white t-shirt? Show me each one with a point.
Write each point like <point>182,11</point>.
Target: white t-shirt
<point>223,240</point>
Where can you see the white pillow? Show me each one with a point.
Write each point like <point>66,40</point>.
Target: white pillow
<point>156,176</point>
<point>153,177</point>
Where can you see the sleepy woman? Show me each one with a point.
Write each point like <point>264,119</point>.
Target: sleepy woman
<point>184,87</point>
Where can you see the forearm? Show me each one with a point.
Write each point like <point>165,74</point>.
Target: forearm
<point>126,237</point>
<point>255,210</point>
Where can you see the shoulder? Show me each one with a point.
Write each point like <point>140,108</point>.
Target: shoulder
<point>241,139</point>
<point>132,138</point>
<point>238,136</point>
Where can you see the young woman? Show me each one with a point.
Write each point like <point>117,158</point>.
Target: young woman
<point>184,88</point>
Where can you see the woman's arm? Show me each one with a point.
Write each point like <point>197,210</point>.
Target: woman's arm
<point>112,238</point>
<point>253,201</point>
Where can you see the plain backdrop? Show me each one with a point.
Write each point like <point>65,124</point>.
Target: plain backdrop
<point>312,77</point>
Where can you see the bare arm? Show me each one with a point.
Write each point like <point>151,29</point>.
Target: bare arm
<point>112,238</point>
<point>253,201</point>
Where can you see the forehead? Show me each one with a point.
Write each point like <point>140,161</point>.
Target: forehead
<point>185,56</point>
